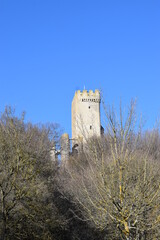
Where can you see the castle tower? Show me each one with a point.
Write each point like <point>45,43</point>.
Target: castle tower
<point>85,115</point>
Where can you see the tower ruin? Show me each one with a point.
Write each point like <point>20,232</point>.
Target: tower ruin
<point>85,115</point>
<point>85,124</point>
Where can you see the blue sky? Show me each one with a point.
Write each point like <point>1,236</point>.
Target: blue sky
<point>49,49</point>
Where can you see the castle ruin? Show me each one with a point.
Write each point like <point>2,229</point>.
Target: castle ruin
<point>85,115</point>
<point>85,122</point>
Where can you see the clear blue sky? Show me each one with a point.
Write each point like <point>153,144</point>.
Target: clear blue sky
<point>50,48</point>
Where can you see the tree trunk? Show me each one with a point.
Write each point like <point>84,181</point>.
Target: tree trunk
<point>3,230</point>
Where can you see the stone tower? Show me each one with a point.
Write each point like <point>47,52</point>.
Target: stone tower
<point>85,115</point>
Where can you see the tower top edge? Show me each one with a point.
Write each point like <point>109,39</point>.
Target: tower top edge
<point>89,93</point>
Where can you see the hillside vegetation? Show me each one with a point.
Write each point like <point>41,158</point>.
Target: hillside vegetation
<point>110,190</point>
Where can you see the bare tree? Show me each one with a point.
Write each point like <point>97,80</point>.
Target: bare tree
<point>116,180</point>
<point>25,169</point>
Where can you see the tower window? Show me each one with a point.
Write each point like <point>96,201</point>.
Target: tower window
<point>90,127</point>
<point>89,107</point>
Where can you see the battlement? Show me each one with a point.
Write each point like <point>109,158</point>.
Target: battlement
<point>88,96</point>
